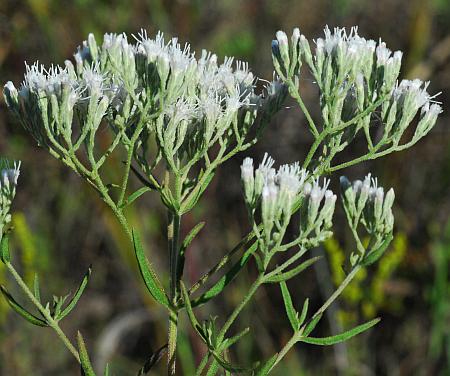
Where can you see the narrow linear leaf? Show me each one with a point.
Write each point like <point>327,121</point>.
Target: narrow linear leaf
<point>4,249</point>
<point>148,275</point>
<point>187,303</point>
<point>229,366</point>
<point>142,179</point>
<point>312,324</point>
<point>57,305</point>
<point>302,318</point>
<point>86,365</point>
<point>232,340</point>
<point>76,297</point>
<point>187,206</point>
<point>290,310</point>
<point>327,341</point>
<point>266,367</point>
<point>192,234</point>
<point>213,368</point>
<point>377,253</point>
<point>135,195</point>
<point>223,282</point>
<point>186,242</point>
<point>154,359</point>
<point>20,310</point>
<point>293,272</point>
<point>37,290</point>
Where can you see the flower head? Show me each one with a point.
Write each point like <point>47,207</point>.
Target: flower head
<point>8,183</point>
<point>366,202</point>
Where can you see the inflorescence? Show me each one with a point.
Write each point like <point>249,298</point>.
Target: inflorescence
<point>188,103</point>
<point>8,183</point>
<point>357,78</point>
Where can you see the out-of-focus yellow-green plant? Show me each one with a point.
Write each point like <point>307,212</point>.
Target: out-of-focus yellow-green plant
<point>367,291</point>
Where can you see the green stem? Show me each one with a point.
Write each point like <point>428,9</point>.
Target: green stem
<point>258,282</point>
<point>338,291</point>
<point>313,149</point>
<point>173,231</point>
<point>126,174</point>
<point>49,319</point>
<point>296,337</point>
<point>203,364</point>
<point>293,90</point>
<point>172,340</point>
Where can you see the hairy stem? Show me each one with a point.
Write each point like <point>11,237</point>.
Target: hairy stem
<point>338,291</point>
<point>173,231</point>
<point>203,364</point>
<point>293,90</point>
<point>221,336</point>
<point>49,319</point>
<point>258,282</point>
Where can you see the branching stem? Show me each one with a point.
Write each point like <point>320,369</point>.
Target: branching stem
<point>48,318</point>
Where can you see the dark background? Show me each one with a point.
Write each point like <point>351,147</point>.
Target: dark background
<point>61,226</point>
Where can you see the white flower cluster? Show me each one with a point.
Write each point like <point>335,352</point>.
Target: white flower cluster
<point>366,202</point>
<point>276,191</point>
<point>353,74</point>
<point>8,184</point>
<point>408,98</point>
<point>317,210</point>
<point>47,98</point>
<point>196,101</point>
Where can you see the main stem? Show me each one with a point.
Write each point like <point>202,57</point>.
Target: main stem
<point>173,232</point>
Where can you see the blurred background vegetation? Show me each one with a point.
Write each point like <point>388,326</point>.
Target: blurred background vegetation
<point>61,226</point>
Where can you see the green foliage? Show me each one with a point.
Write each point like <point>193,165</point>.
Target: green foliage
<point>4,249</point>
<point>151,280</point>
<point>154,358</point>
<point>290,310</point>
<point>76,297</point>
<point>328,341</point>
<point>86,366</point>
<point>20,310</point>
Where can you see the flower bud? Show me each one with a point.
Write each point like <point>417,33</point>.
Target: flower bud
<point>93,49</point>
<point>248,180</point>
<point>11,96</point>
<point>283,46</point>
<point>8,184</point>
